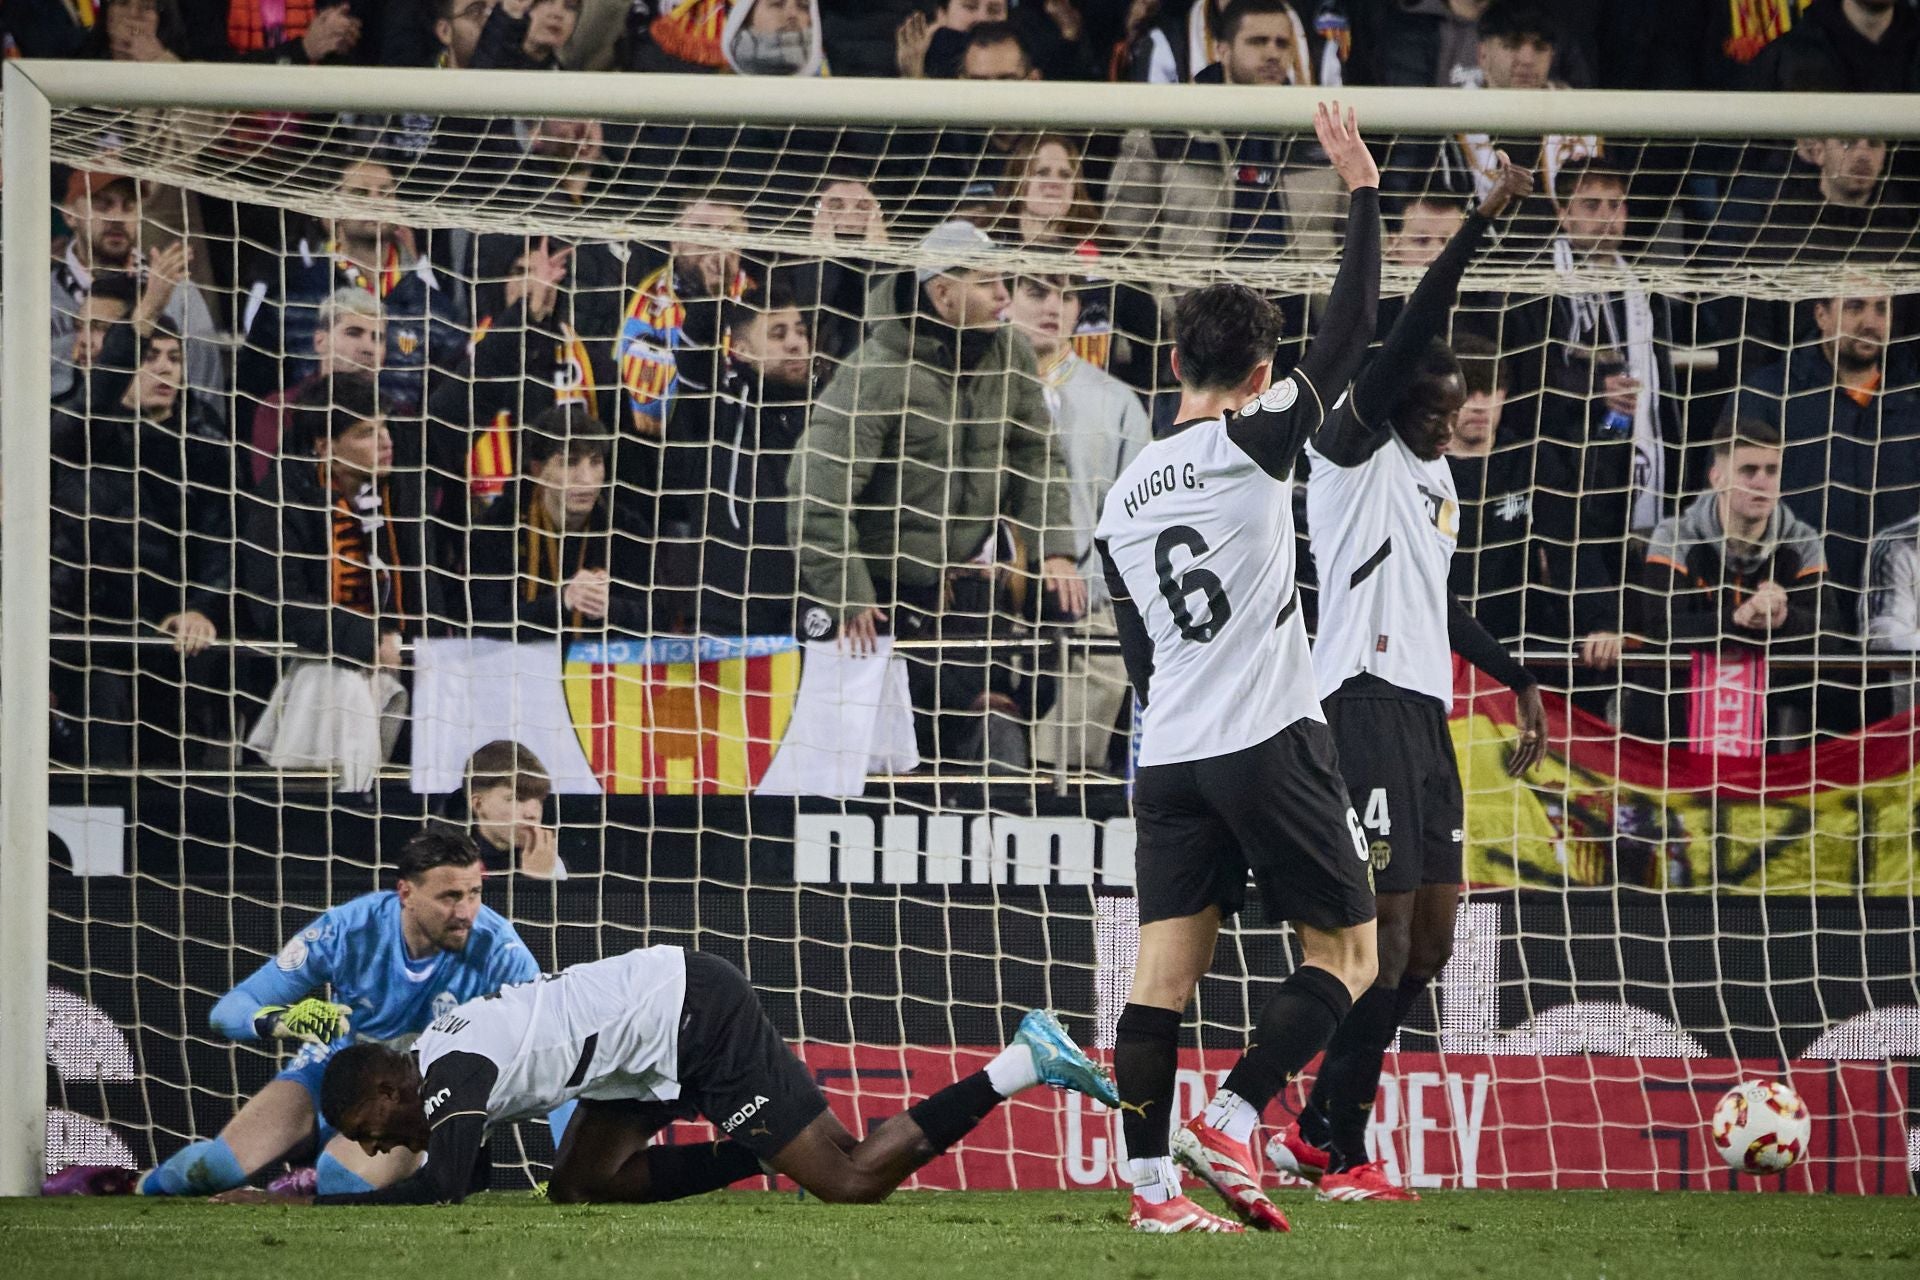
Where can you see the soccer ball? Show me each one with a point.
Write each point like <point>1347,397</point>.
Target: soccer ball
<point>1761,1127</point>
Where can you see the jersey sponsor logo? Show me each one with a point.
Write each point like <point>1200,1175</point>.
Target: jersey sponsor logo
<point>437,1100</point>
<point>294,954</point>
<point>1277,398</point>
<point>744,1114</point>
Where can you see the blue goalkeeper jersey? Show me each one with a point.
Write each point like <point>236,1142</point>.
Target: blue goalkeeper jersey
<point>357,948</point>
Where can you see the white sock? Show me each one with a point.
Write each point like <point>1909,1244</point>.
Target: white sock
<point>1155,1179</point>
<point>1012,1070</point>
<point>1232,1115</point>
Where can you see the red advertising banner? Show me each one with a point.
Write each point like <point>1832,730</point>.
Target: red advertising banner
<point>1458,1121</point>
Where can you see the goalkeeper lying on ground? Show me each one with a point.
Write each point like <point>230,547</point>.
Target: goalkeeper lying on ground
<point>640,1040</point>
<point>395,960</point>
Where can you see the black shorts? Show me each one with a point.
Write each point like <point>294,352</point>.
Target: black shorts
<point>734,1068</point>
<point>1397,757</point>
<point>1277,809</point>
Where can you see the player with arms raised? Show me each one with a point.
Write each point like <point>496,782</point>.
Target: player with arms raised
<point>395,959</point>
<point>1237,769</point>
<point>640,1040</point>
<point>1382,518</point>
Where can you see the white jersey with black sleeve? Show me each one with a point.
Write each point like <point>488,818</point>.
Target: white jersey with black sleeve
<point>606,1029</point>
<point>1196,538</point>
<point>1383,533</point>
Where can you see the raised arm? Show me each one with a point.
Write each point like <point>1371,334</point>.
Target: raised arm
<point>1348,438</point>
<point>1347,324</point>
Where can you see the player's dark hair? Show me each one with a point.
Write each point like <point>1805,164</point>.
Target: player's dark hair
<point>351,1075</point>
<point>163,330</point>
<point>1220,333</point>
<point>1737,431</point>
<point>1582,172</point>
<point>568,430</point>
<point>1514,20</point>
<point>437,847</point>
<point>1239,11</point>
<point>1481,367</point>
<point>1433,366</point>
<point>506,763</point>
<point>1395,212</point>
<point>741,313</point>
<point>331,407</point>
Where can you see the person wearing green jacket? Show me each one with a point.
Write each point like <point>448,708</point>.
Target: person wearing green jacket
<point>928,486</point>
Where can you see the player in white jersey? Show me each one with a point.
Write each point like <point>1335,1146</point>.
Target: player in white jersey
<point>640,1040</point>
<point>1237,770</point>
<point>1382,518</point>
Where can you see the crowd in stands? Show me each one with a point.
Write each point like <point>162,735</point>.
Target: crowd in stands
<point>340,434</point>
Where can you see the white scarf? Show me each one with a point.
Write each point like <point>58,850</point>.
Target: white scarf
<point>1593,320</point>
<point>1557,151</point>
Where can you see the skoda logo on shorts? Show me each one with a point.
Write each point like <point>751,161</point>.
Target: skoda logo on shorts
<point>1382,854</point>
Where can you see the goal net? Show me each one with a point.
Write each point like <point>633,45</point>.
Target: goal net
<point>526,460</point>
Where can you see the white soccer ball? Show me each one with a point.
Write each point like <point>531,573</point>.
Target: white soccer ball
<point>1761,1127</point>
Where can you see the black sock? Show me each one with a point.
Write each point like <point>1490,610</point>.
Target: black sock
<point>1293,1026</point>
<point>1350,1076</point>
<point>1146,1048</point>
<point>693,1169</point>
<point>951,1114</point>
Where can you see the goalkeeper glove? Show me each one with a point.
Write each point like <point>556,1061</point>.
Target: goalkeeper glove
<point>314,1020</point>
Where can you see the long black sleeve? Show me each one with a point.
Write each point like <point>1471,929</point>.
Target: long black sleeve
<point>1354,304</point>
<point>456,1091</point>
<point>1466,637</point>
<point>1349,438</point>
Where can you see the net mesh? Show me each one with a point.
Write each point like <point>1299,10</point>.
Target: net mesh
<point>604,356</point>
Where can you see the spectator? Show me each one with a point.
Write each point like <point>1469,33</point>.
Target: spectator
<point>1732,579</point>
<point>1176,193</point>
<point>1848,407</point>
<point>746,37</point>
<point>936,46</point>
<point>111,300</point>
<point>441,33</point>
<point>833,290</point>
<point>334,562</point>
<point>933,176</point>
<point>546,561</point>
<point>669,341</point>
<point>994,51</point>
<point>1602,358</point>
<point>103,210</point>
<point>1850,46</point>
<point>1100,425</point>
<point>143,31</point>
<point>725,486</point>
<point>503,806</point>
<point>1416,42</point>
<point>1890,605</point>
<point>1421,228</point>
<point>1188,37</point>
<point>1829,204</point>
<point>295,31</point>
<point>1495,473</point>
<point>424,318</point>
<point>349,337</point>
<point>1045,197</point>
<point>526,35</point>
<point>142,543</point>
<point>886,538</point>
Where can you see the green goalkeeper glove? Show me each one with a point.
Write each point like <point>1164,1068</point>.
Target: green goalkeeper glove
<point>314,1020</point>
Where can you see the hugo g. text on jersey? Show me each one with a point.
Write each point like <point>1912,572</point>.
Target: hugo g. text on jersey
<point>1162,480</point>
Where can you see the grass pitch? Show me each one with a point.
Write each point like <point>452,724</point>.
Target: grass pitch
<point>978,1235</point>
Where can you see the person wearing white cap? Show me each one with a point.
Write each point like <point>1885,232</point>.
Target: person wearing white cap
<point>928,484</point>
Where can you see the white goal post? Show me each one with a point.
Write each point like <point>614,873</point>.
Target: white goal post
<point>35,91</point>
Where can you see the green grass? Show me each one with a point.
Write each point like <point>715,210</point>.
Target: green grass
<point>981,1236</point>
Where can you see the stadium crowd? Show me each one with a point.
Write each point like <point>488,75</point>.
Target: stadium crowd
<point>340,434</point>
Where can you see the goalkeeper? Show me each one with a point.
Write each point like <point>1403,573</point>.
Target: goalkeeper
<point>395,960</point>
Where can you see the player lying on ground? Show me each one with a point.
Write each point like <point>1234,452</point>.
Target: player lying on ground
<point>1237,769</point>
<point>1382,517</point>
<point>642,1039</point>
<point>395,959</point>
